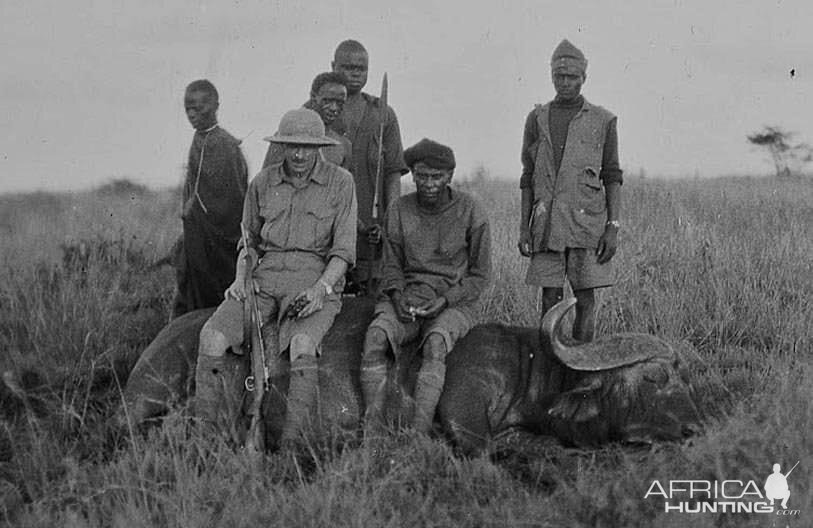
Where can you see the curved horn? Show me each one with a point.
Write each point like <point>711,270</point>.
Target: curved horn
<point>550,325</point>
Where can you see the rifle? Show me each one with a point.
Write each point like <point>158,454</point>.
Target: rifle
<point>379,167</point>
<point>257,381</point>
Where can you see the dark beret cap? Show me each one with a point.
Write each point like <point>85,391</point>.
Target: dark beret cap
<point>431,153</point>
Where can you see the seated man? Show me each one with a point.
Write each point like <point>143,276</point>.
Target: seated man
<point>300,215</point>
<point>436,263</point>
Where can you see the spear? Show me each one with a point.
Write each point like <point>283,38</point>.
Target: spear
<point>380,163</point>
<point>378,176</point>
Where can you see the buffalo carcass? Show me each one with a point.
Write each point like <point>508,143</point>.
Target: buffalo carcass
<point>626,387</point>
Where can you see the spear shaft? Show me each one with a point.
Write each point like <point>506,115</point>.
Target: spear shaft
<point>375,251</point>
<point>380,163</point>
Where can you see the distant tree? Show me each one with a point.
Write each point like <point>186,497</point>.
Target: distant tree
<point>480,174</point>
<point>122,187</point>
<point>784,154</point>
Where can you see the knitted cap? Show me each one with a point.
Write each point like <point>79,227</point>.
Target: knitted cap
<point>431,153</point>
<point>567,58</point>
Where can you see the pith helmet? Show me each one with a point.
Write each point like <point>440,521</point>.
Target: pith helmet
<point>301,127</point>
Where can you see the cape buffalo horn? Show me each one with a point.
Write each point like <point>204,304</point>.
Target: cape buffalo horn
<point>551,322</point>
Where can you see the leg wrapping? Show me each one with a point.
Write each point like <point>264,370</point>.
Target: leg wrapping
<point>301,396</point>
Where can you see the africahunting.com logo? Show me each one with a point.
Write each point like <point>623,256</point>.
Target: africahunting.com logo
<point>725,496</point>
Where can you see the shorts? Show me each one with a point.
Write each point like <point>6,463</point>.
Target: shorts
<point>550,269</point>
<point>451,324</point>
<point>228,319</point>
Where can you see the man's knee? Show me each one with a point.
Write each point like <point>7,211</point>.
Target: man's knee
<point>434,348</point>
<point>212,342</point>
<point>302,345</point>
<point>375,346</point>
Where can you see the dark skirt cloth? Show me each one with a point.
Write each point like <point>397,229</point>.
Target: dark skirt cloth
<point>206,267</point>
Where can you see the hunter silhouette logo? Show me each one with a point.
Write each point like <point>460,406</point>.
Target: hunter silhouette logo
<point>725,496</point>
<point>776,486</point>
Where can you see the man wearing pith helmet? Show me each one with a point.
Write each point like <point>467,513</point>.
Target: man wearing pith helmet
<point>328,94</point>
<point>571,192</point>
<point>300,216</point>
<point>436,265</point>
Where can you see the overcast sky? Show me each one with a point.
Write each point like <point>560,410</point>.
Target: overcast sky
<point>93,90</point>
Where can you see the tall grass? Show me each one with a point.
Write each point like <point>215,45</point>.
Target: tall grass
<point>721,266</point>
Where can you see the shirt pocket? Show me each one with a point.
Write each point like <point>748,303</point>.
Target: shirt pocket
<point>591,192</point>
<point>318,225</point>
<point>275,224</point>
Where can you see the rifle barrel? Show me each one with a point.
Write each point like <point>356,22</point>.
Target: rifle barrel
<point>791,469</point>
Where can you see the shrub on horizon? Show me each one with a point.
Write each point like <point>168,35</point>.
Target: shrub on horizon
<point>122,187</point>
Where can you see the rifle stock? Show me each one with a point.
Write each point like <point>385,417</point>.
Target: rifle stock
<point>252,326</point>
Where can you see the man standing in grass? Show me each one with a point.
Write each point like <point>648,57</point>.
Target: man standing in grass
<point>437,263</point>
<point>215,185</point>
<point>300,217</point>
<point>571,192</point>
<point>362,118</point>
<point>328,95</point>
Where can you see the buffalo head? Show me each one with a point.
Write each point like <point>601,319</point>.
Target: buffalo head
<point>625,387</point>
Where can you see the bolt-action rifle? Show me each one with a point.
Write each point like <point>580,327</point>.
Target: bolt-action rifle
<point>257,381</point>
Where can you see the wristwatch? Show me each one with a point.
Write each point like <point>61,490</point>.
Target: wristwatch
<point>328,287</point>
<point>615,223</point>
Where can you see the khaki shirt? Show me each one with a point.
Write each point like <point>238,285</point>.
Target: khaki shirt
<point>298,227</point>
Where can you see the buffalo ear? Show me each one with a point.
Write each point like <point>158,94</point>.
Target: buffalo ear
<point>580,404</point>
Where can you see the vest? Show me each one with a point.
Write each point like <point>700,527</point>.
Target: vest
<point>569,209</point>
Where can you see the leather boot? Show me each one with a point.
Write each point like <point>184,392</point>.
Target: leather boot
<point>301,397</point>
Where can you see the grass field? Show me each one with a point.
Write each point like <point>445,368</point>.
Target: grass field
<point>723,266</point>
